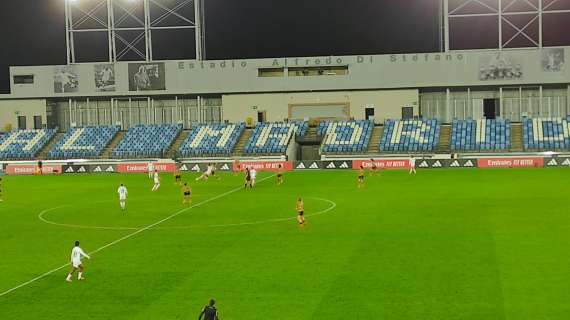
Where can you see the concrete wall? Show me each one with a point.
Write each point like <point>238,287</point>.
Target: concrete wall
<point>11,109</point>
<point>387,103</point>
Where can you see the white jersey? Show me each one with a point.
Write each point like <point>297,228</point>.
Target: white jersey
<point>150,167</point>
<point>76,255</point>
<point>156,178</point>
<point>122,191</point>
<point>253,174</point>
<point>412,162</point>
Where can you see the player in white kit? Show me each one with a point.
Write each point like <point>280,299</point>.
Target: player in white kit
<point>156,181</point>
<point>253,174</point>
<point>206,173</point>
<point>76,255</point>
<point>123,193</point>
<point>150,170</point>
<point>412,165</point>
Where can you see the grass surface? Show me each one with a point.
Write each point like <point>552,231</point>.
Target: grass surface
<point>445,244</point>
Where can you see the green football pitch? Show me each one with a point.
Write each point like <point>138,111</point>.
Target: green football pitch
<point>445,244</point>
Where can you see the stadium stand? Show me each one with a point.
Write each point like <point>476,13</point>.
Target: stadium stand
<point>546,133</point>
<point>86,142</point>
<point>24,144</point>
<point>211,140</point>
<point>147,141</point>
<point>481,135</point>
<point>410,135</point>
<point>345,136</point>
<point>274,137</point>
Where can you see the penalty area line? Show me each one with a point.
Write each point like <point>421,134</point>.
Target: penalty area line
<point>130,235</point>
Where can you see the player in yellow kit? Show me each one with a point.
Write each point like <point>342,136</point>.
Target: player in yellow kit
<point>186,194</point>
<point>301,212</point>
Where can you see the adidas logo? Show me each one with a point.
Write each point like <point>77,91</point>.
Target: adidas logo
<point>69,170</point>
<point>183,168</point>
<point>196,168</point>
<point>454,164</point>
<point>314,165</point>
<point>468,164</point>
<point>552,162</point>
<point>225,167</point>
<point>81,169</point>
<point>566,162</point>
<point>97,169</point>
<point>301,166</point>
<point>331,166</point>
<point>424,164</point>
<point>344,165</point>
<point>437,164</point>
<point>110,169</point>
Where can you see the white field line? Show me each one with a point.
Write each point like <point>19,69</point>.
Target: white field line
<point>41,216</point>
<point>130,235</point>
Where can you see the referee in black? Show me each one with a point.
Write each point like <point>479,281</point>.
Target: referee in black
<point>210,312</point>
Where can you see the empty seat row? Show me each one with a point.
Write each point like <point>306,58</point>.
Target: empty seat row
<point>147,141</point>
<point>410,135</point>
<point>345,136</point>
<point>85,142</point>
<point>24,144</point>
<point>481,135</point>
<point>546,134</point>
<point>211,140</point>
<point>274,137</point>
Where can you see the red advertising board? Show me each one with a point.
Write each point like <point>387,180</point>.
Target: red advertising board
<point>387,164</point>
<point>143,167</point>
<point>264,165</point>
<point>534,162</point>
<point>30,169</point>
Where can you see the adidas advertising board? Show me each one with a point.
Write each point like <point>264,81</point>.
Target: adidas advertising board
<point>557,162</point>
<point>201,167</point>
<point>308,165</point>
<point>76,169</point>
<point>342,165</point>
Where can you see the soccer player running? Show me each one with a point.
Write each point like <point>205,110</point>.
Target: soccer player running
<point>156,181</point>
<point>207,173</point>
<point>374,168</point>
<point>280,175</point>
<point>76,254</point>
<point>301,212</point>
<point>412,165</point>
<point>361,177</point>
<point>209,312</point>
<point>123,193</point>
<point>253,173</point>
<point>247,178</point>
<point>186,194</point>
<point>150,167</point>
<point>177,177</point>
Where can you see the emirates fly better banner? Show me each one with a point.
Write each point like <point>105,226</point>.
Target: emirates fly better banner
<point>382,164</point>
<point>143,167</point>
<point>530,162</point>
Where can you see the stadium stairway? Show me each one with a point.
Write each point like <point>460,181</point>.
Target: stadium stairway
<point>444,144</point>
<point>173,151</point>
<point>112,145</point>
<point>311,133</point>
<point>516,137</point>
<point>240,145</point>
<point>42,155</point>
<point>374,143</point>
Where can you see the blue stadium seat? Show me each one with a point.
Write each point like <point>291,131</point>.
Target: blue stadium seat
<point>546,134</point>
<point>273,138</point>
<point>24,144</point>
<point>481,135</point>
<point>345,136</point>
<point>86,142</point>
<point>410,136</point>
<point>147,141</point>
<point>211,140</point>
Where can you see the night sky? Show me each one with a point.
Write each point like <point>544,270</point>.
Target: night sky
<point>33,31</point>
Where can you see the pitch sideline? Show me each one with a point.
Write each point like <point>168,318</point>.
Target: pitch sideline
<point>130,235</point>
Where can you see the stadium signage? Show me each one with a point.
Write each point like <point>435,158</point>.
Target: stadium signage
<point>382,164</point>
<point>232,64</point>
<point>426,57</point>
<point>200,167</point>
<point>264,165</point>
<point>143,167</point>
<point>30,169</point>
<point>533,162</point>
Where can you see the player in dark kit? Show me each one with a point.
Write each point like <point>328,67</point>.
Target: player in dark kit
<point>209,312</point>
<point>177,177</point>
<point>247,178</point>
